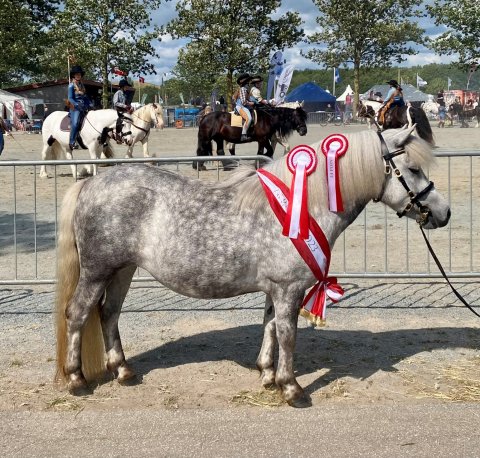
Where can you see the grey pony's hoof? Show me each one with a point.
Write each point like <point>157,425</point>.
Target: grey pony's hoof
<point>301,403</point>
<point>79,388</point>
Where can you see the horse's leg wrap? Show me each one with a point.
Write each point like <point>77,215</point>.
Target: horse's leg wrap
<point>110,313</point>
<point>265,360</point>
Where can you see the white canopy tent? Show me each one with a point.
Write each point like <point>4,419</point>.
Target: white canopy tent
<point>7,104</point>
<point>347,91</point>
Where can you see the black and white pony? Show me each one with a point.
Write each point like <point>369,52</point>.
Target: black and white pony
<point>397,117</point>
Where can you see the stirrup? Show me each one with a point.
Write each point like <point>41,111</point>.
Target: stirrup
<point>245,138</point>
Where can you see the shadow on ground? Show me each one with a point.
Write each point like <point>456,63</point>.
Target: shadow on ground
<point>358,354</point>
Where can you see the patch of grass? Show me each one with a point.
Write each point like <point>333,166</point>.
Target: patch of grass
<point>263,398</point>
<point>336,389</point>
<point>64,404</point>
<point>16,363</point>
<point>454,383</point>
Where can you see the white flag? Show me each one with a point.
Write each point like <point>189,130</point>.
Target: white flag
<point>283,83</point>
<point>420,82</point>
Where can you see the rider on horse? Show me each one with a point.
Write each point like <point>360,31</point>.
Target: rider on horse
<point>242,103</point>
<point>255,93</point>
<point>121,103</point>
<point>78,103</point>
<point>394,98</point>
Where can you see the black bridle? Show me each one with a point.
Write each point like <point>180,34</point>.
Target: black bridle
<point>415,199</point>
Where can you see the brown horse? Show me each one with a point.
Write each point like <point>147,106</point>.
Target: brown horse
<point>400,116</point>
<point>217,127</point>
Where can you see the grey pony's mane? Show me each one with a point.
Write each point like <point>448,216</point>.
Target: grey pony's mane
<point>361,173</point>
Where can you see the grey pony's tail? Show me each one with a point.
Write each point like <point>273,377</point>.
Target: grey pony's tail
<point>68,273</point>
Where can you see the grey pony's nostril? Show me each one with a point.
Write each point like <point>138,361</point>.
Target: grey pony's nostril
<point>449,213</point>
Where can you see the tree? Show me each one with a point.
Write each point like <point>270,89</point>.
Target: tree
<point>23,36</point>
<point>229,36</point>
<point>102,34</point>
<point>364,34</point>
<point>462,19</point>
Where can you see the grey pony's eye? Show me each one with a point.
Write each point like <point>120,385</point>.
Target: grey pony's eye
<point>414,171</point>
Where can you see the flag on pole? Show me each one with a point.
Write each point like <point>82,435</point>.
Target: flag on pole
<point>274,72</point>
<point>117,71</point>
<point>283,83</point>
<point>449,83</point>
<point>337,76</point>
<point>471,71</point>
<point>420,82</point>
<point>141,79</point>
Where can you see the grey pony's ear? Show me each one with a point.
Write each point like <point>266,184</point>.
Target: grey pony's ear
<point>403,134</point>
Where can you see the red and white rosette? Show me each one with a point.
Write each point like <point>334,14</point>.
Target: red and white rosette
<point>333,147</point>
<point>315,303</point>
<point>301,161</point>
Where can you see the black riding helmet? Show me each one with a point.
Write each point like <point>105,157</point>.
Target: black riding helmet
<point>244,78</point>
<point>76,69</point>
<point>123,83</point>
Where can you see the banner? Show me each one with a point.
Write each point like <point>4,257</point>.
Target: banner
<point>420,82</point>
<point>119,72</point>
<point>283,83</point>
<point>276,67</point>
<point>337,75</point>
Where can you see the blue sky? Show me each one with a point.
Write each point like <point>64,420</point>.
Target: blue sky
<point>168,48</point>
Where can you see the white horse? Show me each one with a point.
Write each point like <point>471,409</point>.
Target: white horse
<point>140,123</point>
<point>430,107</point>
<point>93,135</point>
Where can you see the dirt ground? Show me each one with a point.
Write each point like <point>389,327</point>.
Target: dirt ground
<point>388,342</point>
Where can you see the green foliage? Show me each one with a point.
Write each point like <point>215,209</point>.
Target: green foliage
<point>101,34</point>
<point>462,19</point>
<point>435,74</point>
<point>366,34</point>
<point>229,36</point>
<point>23,37</point>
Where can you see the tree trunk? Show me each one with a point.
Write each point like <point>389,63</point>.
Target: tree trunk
<point>356,86</point>
<point>229,90</point>
<point>105,92</point>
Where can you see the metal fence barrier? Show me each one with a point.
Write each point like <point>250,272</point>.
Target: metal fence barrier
<point>376,245</point>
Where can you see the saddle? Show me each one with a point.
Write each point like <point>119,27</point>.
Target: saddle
<point>237,120</point>
<point>65,124</point>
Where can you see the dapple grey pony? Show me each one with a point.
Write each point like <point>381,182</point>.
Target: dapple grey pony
<point>211,241</point>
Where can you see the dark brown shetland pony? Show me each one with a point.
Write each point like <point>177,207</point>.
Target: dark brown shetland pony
<point>397,117</point>
<point>280,121</point>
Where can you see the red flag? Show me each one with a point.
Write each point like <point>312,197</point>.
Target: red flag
<point>117,71</point>
<point>141,80</point>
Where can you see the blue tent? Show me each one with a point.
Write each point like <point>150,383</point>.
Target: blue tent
<point>314,97</point>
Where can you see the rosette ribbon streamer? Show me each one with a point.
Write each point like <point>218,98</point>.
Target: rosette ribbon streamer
<point>314,250</point>
<point>333,147</point>
<point>301,161</point>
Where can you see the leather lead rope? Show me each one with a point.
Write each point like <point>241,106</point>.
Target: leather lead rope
<point>434,256</point>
